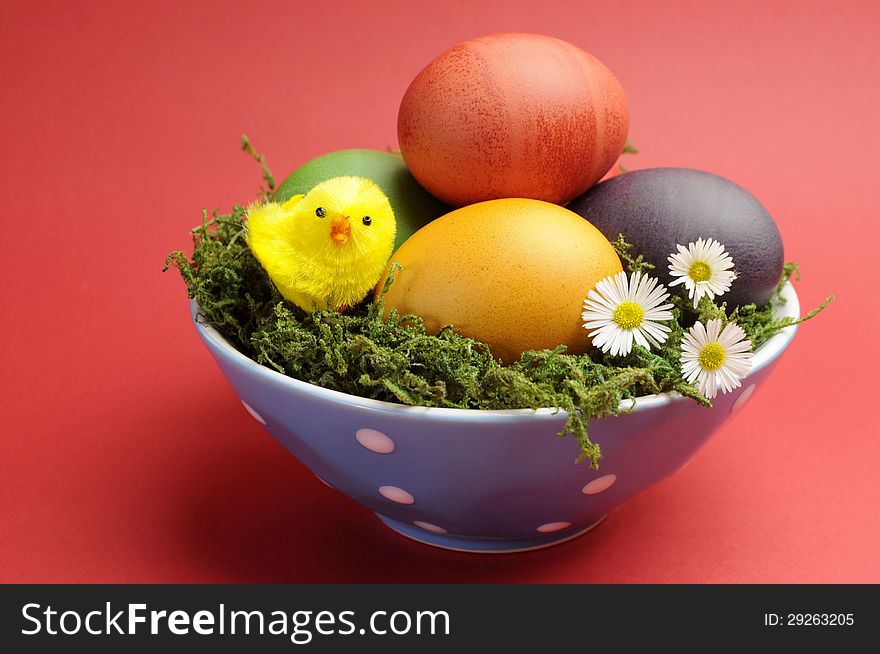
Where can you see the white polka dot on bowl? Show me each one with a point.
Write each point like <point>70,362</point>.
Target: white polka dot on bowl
<point>550,527</point>
<point>599,484</point>
<point>743,398</point>
<point>427,526</point>
<point>395,494</point>
<point>375,441</point>
<point>256,416</point>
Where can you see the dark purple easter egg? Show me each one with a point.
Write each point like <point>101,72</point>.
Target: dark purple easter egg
<point>658,208</point>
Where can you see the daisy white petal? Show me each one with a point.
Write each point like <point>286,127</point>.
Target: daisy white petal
<point>704,267</point>
<point>715,357</point>
<point>622,310</point>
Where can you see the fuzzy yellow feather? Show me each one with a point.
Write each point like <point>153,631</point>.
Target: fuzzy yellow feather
<point>325,249</point>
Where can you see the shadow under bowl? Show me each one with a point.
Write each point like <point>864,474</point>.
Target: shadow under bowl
<point>481,481</point>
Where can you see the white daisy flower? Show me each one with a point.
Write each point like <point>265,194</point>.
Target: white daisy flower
<point>703,267</point>
<point>716,360</point>
<point>621,310</point>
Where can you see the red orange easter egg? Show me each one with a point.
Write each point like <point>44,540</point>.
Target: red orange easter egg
<point>512,115</point>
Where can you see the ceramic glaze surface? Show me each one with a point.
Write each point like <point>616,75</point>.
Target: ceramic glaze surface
<point>480,480</point>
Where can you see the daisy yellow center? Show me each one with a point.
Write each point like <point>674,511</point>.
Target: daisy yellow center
<point>628,315</point>
<point>700,271</point>
<point>712,356</point>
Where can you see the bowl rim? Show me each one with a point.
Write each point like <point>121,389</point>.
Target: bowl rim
<point>763,356</point>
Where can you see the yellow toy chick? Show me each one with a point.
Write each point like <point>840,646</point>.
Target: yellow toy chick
<point>325,249</point>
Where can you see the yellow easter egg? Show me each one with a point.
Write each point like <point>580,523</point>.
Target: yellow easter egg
<point>512,273</point>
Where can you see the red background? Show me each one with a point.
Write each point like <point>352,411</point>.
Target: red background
<point>125,455</point>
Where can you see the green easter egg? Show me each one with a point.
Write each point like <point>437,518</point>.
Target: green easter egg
<point>413,206</point>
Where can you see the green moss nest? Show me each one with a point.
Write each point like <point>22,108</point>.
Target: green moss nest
<point>395,360</point>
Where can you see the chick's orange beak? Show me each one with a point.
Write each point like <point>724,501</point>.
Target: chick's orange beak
<point>340,230</point>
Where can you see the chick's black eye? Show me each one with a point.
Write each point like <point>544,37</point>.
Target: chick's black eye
<point>320,212</point>
<point>367,220</point>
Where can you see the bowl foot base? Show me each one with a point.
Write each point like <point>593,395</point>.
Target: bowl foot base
<point>483,545</point>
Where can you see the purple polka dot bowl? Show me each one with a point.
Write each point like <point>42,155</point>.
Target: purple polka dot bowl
<point>480,481</point>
